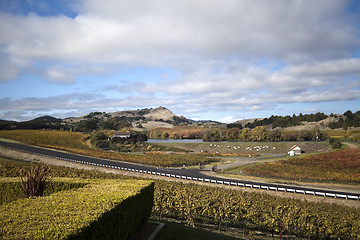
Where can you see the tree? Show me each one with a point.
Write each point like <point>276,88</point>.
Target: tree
<point>212,136</point>
<point>99,140</point>
<point>275,135</point>
<point>245,134</point>
<point>258,133</point>
<point>335,143</point>
<point>349,115</point>
<point>164,135</point>
<point>317,135</point>
<point>348,132</point>
<point>87,125</point>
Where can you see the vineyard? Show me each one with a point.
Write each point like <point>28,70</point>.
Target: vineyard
<point>342,166</point>
<point>177,132</point>
<point>196,204</point>
<point>225,207</point>
<point>75,142</point>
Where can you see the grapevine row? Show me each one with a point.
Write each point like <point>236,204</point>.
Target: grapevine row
<point>193,203</point>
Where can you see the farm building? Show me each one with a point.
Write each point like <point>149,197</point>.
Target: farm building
<point>295,150</point>
<point>122,134</point>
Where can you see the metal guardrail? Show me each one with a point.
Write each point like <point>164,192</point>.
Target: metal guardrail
<point>215,181</point>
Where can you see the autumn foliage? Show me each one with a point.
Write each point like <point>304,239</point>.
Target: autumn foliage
<point>339,166</point>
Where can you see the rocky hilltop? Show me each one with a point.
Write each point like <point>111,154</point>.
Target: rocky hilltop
<point>140,119</point>
<point>161,114</point>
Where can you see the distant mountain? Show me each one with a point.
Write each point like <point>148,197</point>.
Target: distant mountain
<point>47,122</point>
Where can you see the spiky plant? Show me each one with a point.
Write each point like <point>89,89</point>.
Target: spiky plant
<point>36,181</point>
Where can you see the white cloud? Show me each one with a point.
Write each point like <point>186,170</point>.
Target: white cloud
<point>225,53</point>
<point>228,119</point>
<point>157,31</point>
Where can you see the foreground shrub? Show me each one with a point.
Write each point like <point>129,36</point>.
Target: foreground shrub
<point>335,143</point>
<point>36,181</point>
<point>103,209</point>
<point>10,188</point>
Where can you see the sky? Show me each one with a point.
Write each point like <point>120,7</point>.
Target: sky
<point>203,59</point>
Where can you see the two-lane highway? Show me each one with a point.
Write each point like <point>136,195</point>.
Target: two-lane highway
<point>185,174</point>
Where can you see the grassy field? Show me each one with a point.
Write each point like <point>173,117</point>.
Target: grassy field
<point>250,147</point>
<point>340,133</point>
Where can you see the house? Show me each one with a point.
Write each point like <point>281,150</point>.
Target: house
<point>121,135</point>
<point>295,150</point>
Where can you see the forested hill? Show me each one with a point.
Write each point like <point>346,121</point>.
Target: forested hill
<point>348,119</point>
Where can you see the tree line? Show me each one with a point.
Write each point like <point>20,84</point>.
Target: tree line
<point>351,120</point>
<point>282,121</point>
<point>259,133</point>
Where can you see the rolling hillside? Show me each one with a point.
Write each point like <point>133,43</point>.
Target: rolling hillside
<point>161,117</point>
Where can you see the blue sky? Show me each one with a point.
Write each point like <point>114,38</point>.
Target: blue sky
<point>217,60</point>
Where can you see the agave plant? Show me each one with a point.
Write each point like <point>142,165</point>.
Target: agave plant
<point>36,181</point>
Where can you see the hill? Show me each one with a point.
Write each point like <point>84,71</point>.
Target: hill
<point>303,121</point>
<point>140,119</point>
<point>37,123</point>
<point>161,117</point>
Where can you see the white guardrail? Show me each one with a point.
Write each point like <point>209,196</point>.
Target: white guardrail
<point>215,181</point>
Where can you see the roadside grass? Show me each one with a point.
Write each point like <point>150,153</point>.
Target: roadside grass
<point>76,143</point>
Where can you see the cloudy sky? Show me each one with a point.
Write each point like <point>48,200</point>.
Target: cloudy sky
<point>204,59</point>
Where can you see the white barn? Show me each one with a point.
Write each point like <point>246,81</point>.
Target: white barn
<point>295,150</point>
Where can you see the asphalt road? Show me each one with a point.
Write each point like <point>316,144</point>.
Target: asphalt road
<point>187,174</point>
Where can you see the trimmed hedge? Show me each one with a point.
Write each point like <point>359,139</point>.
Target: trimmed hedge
<point>16,168</point>
<point>102,209</point>
<point>10,188</point>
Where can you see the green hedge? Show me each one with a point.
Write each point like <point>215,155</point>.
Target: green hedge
<point>10,188</point>
<point>102,209</point>
<point>16,168</point>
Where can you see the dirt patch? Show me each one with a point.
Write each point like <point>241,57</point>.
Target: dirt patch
<point>153,124</point>
<point>12,154</point>
<point>350,145</point>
